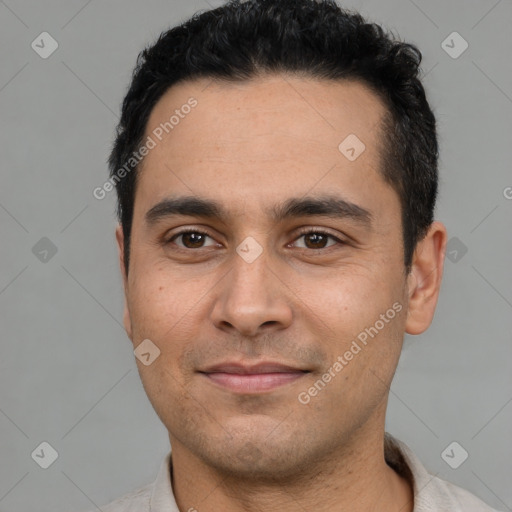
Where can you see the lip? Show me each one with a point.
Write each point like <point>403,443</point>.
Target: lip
<point>255,378</point>
<point>251,369</point>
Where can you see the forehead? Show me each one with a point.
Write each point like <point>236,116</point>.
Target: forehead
<point>274,135</point>
<point>280,105</point>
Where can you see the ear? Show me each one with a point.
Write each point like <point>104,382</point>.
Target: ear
<point>424,280</point>
<point>126,314</point>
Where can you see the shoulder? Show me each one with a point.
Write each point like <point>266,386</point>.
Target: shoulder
<point>156,495</point>
<point>134,501</point>
<point>431,493</point>
<point>444,495</point>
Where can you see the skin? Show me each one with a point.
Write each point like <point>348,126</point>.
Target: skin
<point>250,146</point>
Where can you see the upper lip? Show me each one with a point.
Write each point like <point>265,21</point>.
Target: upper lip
<point>247,369</point>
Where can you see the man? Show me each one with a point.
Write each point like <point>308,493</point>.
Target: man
<point>276,170</point>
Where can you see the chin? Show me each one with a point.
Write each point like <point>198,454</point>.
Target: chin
<point>258,460</point>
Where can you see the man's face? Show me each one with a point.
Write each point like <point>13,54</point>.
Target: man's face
<point>294,290</point>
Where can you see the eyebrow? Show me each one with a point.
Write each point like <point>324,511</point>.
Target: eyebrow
<point>323,206</point>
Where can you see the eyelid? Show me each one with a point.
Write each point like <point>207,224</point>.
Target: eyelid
<point>322,231</point>
<point>303,231</point>
<point>184,231</point>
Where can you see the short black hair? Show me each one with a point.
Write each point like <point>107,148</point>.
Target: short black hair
<point>314,38</point>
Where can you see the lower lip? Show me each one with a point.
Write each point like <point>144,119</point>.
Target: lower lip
<point>253,383</point>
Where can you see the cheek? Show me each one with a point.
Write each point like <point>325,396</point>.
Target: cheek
<point>156,306</point>
<point>167,394</point>
<point>172,311</point>
<point>345,301</point>
<point>359,318</point>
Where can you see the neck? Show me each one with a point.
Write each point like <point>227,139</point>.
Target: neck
<point>355,478</point>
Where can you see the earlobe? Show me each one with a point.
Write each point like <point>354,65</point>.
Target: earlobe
<point>126,312</point>
<point>424,280</point>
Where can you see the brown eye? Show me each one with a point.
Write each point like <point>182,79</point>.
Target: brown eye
<point>191,239</point>
<point>317,240</point>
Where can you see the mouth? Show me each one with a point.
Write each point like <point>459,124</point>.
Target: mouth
<point>258,378</point>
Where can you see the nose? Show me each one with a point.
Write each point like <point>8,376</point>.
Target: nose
<point>252,299</point>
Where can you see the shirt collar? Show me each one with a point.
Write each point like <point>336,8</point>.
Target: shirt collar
<point>162,497</point>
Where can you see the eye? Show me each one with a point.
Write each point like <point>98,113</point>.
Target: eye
<point>196,239</point>
<point>191,239</point>
<point>317,239</point>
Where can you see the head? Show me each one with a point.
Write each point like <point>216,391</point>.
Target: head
<point>294,142</point>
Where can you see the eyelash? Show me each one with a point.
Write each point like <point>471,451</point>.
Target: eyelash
<point>302,232</point>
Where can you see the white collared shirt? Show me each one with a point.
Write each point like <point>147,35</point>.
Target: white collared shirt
<point>431,494</point>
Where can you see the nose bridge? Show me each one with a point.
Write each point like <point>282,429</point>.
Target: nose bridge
<point>251,295</point>
<point>251,265</point>
<point>249,285</point>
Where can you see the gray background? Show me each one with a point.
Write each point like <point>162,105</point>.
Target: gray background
<point>67,371</point>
